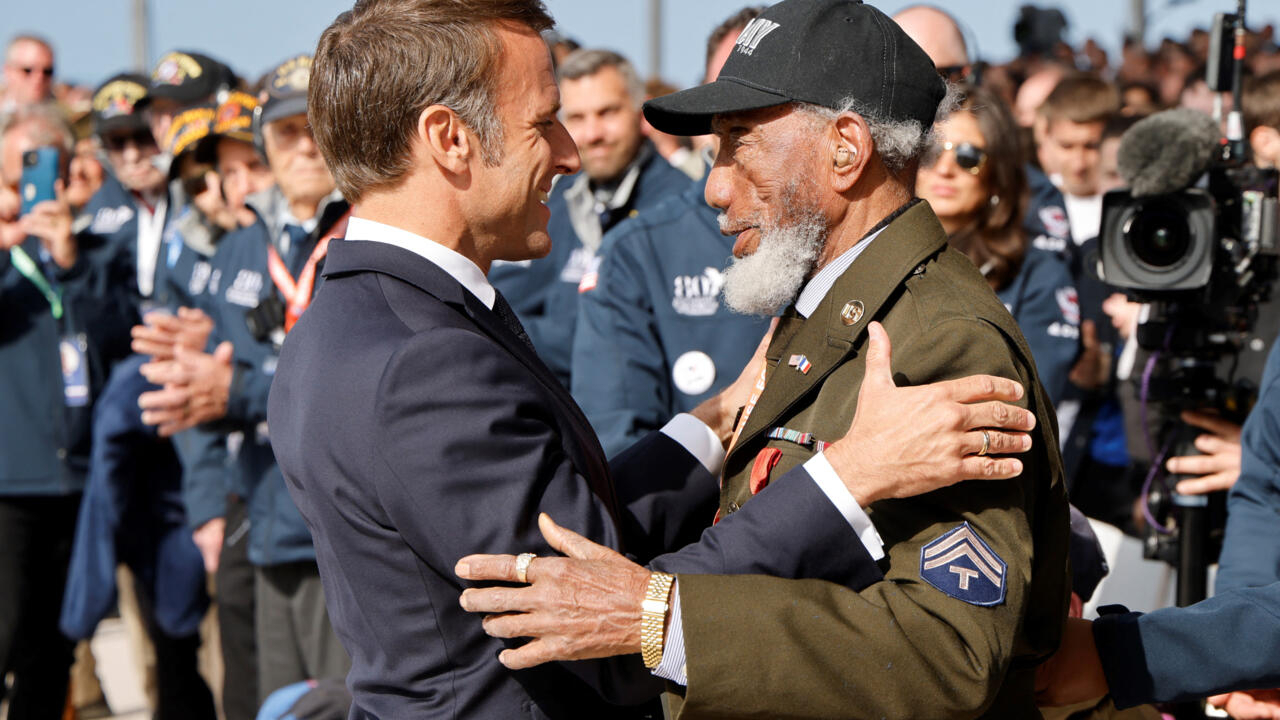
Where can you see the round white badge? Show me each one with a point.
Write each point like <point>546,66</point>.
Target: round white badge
<point>693,372</point>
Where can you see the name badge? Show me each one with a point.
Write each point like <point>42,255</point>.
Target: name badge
<point>75,373</point>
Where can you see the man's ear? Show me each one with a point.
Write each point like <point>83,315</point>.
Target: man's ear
<point>1265,143</point>
<point>445,138</point>
<point>851,150</point>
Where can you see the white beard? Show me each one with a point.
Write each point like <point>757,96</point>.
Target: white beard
<point>769,279</point>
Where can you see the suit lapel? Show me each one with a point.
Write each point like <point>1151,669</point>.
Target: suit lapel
<point>347,257</point>
<point>826,339</point>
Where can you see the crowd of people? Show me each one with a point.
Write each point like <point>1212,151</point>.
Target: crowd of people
<point>147,292</point>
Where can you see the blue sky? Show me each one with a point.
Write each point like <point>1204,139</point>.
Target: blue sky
<point>93,37</point>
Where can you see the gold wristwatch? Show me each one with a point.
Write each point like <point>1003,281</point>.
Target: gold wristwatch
<point>653,618</point>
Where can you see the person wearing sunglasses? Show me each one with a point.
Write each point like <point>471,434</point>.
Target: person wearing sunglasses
<point>974,178</point>
<point>28,72</point>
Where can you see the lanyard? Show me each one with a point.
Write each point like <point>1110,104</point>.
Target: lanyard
<point>751,405</point>
<point>297,294</point>
<point>25,265</point>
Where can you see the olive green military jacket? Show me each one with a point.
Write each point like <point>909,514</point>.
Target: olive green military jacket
<point>976,580</point>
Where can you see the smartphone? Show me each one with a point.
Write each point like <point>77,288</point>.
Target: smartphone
<point>39,171</point>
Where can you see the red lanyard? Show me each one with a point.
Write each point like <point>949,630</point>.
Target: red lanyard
<point>297,294</point>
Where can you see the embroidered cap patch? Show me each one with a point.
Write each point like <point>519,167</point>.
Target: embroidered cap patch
<point>961,565</point>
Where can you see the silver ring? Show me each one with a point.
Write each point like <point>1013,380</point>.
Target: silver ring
<point>986,443</point>
<point>522,566</point>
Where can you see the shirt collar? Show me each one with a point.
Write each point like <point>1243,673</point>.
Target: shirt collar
<point>820,284</point>
<point>458,266</point>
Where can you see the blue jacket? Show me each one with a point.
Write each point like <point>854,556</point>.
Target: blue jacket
<point>1042,298</point>
<point>132,513</point>
<point>1046,220</point>
<point>111,214</point>
<point>654,338</point>
<point>1251,549</point>
<point>238,282</point>
<point>44,437</point>
<point>544,292</point>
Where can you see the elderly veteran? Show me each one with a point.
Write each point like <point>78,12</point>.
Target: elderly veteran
<point>822,112</point>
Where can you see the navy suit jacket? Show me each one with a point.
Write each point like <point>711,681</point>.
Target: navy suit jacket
<point>413,428</point>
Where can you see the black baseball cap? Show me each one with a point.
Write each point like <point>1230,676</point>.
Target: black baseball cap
<point>189,77</point>
<point>821,52</point>
<point>284,89</point>
<point>115,104</point>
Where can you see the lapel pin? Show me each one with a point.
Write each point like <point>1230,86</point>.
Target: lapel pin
<point>852,312</point>
<point>800,363</point>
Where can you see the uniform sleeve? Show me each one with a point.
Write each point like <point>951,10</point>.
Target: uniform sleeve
<point>901,647</point>
<point>1219,645</point>
<point>1049,317</point>
<point>247,398</point>
<point>619,373</point>
<point>1251,549</point>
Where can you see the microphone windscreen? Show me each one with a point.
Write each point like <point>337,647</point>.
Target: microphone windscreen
<point>1166,152</point>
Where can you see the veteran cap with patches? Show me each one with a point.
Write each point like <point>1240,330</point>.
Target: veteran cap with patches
<point>188,128</point>
<point>189,77</point>
<point>115,104</point>
<point>822,52</point>
<point>234,117</point>
<point>284,90</point>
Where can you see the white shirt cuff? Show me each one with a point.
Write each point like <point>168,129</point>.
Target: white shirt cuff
<point>819,468</point>
<point>694,436</point>
<point>672,666</point>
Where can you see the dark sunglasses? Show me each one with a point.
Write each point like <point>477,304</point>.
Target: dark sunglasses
<point>47,72</point>
<point>953,73</point>
<point>968,156</point>
<point>119,141</point>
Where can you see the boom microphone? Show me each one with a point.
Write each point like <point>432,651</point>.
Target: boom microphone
<point>1166,152</point>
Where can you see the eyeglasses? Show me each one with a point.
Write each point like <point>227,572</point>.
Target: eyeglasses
<point>46,71</point>
<point>954,73</point>
<point>119,141</point>
<point>968,156</point>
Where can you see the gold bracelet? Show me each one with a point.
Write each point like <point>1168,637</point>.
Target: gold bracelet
<point>653,618</point>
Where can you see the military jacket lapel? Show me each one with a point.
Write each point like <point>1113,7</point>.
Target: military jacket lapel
<point>832,334</point>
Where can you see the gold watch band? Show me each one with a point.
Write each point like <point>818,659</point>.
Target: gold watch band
<point>653,618</point>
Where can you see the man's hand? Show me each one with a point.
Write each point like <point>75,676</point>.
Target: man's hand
<point>163,333</point>
<point>1250,704</point>
<point>1219,467</point>
<point>1093,367</point>
<point>51,222</point>
<point>1074,673</point>
<point>911,440</point>
<point>208,539</point>
<point>196,387</point>
<point>587,605</point>
<point>721,410</point>
<point>1123,312</point>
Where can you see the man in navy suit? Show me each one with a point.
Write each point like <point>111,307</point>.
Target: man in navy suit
<point>414,424</point>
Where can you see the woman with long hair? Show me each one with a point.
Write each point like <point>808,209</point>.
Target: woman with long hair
<point>974,177</point>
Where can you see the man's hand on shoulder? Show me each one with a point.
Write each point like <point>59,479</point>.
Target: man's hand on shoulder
<point>586,605</point>
<point>911,440</point>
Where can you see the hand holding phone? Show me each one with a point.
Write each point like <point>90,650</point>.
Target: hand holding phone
<point>40,170</point>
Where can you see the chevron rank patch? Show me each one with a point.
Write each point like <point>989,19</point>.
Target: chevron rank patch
<point>963,566</point>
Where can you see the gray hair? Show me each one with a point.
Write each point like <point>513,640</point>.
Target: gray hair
<point>899,143</point>
<point>588,61</point>
<point>48,127</point>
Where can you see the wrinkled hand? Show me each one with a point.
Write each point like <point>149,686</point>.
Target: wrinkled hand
<point>911,440</point>
<point>1093,367</point>
<point>1219,467</point>
<point>196,387</point>
<point>586,605</point>
<point>719,411</point>
<point>1250,704</point>
<point>1074,673</point>
<point>51,222</point>
<point>162,333</point>
<point>208,539</point>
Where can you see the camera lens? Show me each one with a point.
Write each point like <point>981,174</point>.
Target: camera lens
<point>1159,234</point>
